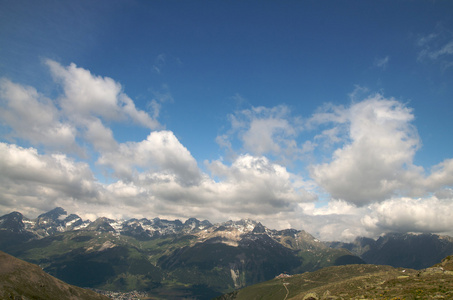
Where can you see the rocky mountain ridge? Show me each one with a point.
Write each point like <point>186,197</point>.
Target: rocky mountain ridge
<point>185,259</point>
<point>174,259</point>
<point>414,250</point>
<point>395,249</point>
<point>230,232</point>
<point>57,220</point>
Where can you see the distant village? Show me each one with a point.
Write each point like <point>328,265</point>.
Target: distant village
<point>133,295</point>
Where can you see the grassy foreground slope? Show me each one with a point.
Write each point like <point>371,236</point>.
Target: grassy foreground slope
<point>22,280</point>
<point>357,282</point>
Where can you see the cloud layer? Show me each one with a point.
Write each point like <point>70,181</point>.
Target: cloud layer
<point>343,171</point>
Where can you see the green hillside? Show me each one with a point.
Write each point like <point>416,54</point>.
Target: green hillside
<point>356,282</point>
<point>22,280</point>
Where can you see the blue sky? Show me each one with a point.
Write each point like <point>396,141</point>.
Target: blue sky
<point>328,116</point>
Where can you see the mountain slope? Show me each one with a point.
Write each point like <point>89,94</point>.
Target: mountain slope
<point>13,230</point>
<point>416,251</point>
<point>194,259</point>
<point>356,282</point>
<point>168,259</point>
<point>22,280</point>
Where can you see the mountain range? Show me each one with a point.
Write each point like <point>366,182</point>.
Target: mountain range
<point>173,260</point>
<point>406,250</point>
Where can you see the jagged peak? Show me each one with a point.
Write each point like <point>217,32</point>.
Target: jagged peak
<point>13,215</point>
<point>12,222</point>
<point>206,223</point>
<point>102,224</point>
<point>52,221</point>
<point>72,217</point>
<point>134,221</point>
<point>191,220</point>
<point>145,221</point>
<point>259,228</point>
<point>53,214</point>
<point>163,222</point>
<point>241,223</point>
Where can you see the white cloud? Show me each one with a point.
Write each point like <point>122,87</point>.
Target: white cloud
<point>82,112</point>
<point>265,131</point>
<point>33,117</point>
<point>369,183</point>
<point>340,221</point>
<point>255,180</point>
<point>260,137</point>
<point>375,162</point>
<point>326,114</point>
<point>88,96</point>
<point>30,180</point>
<point>100,136</point>
<point>250,187</point>
<point>370,167</point>
<point>441,176</point>
<point>161,151</point>
<point>412,215</point>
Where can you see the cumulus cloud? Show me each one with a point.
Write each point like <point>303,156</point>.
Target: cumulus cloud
<point>268,186</point>
<point>157,176</point>
<point>100,136</point>
<point>411,215</point>
<point>367,181</point>
<point>250,187</point>
<point>33,117</point>
<point>372,164</point>
<point>88,103</point>
<point>342,221</point>
<point>31,180</point>
<point>375,160</point>
<point>265,131</point>
<point>441,176</point>
<point>160,151</point>
<point>87,96</point>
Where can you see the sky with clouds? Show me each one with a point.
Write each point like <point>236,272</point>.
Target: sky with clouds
<point>330,116</point>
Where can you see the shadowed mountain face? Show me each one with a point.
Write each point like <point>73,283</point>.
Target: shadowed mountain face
<point>22,280</point>
<point>416,251</point>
